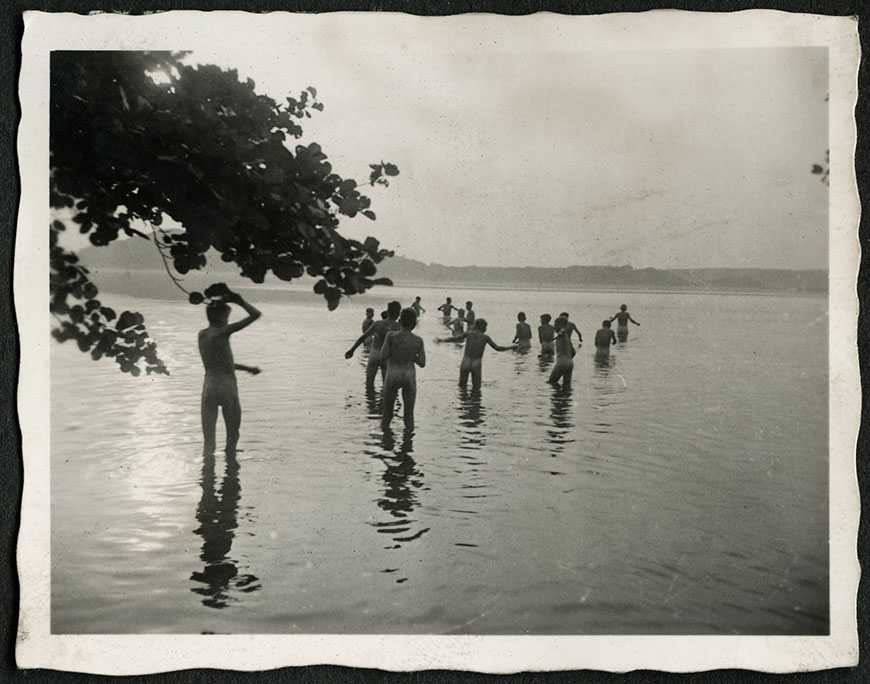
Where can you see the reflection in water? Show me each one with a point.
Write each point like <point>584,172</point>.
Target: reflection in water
<point>561,428</point>
<point>471,414</point>
<point>217,515</point>
<point>373,404</point>
<point>402,481</point>
<point>544,362</point>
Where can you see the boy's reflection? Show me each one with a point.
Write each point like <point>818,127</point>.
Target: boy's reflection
<point>402,479</point>
<point>471,414</point>
<point>217,517</point>
<point>560,417</point>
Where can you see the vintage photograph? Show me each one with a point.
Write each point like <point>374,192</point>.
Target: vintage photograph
<point>442,328</point>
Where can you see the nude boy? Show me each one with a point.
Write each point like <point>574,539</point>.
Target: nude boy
<point>523,337</point>
<point>400,351</point>
<point>622,317</point>
<point>219,387</point>
<point>603,339</point>
<point>563,369</point>
<point>377,331</point>
<point>476,340</point>
<point>546,335</point>
<point>446,310</point>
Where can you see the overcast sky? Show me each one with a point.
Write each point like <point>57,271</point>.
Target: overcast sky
<point>665,158</point>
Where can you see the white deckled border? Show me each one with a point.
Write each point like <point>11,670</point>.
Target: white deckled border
<point>37,647</point>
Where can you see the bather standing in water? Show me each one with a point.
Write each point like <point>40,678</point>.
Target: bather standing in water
<point>563,369</point>
<point>219,387</point>
<point>622,317</point>
<point>476,340</point>
<point>546,335</point>
<point>523,337</point>
<point>603,339</point>
<point>400,351</point>
<point>378,331</point>
<point>367,323</point>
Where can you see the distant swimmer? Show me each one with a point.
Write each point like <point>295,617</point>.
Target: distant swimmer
<point>546,335</point>
<point>571,328</point>
<point>219,387</point>
<point>418,307</point>
<point>377,331</point>
<point>564,366</point>
<point>400,351</point>
<point>622,317</point>
<point>603,339</point>
<point>476,340</point>
<point>457,325</point>
<point>446,310</point>
<point>367,323</point>
<point>469,314</point>
<point>523,337</point>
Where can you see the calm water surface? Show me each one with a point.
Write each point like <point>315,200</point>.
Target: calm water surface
<point>681,488</point>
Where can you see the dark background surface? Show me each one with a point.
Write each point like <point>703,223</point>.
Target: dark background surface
<point>11,473</point>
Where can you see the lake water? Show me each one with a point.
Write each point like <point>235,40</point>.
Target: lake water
<point>681,489</point>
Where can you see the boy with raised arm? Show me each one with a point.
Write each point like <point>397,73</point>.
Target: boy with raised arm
<point>523,337</point>
<point>377,331</point>
<point>546,335</point>
<point>219,387</point>
<point>400,351</point>
<point>446,310</point>
<point>622,317</point>
<point>476,340</point>
<point>564,366</point>
<point>603,339</point>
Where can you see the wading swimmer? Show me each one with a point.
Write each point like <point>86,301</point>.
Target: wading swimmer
<point>418,307</point>
<point>446,310</point>
<point>476,340</point>
<point>469,315</point>
<point>546,335</point>
<point>622,317</point>
<point>219,387</point>
<point>400,351</point>
<point>603,339</point>
<point>571,328</point>
<point>378,331</point>
<point>523,337</point>
<point>457,325</point>
<point>367,323</point>
<point>564,366</point>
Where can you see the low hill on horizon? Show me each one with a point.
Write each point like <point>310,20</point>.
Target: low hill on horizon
<point>138,255</point>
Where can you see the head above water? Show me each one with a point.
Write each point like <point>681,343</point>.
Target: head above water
<point>564,315</point>
<point>480,324</point>
<point>546,318</point>
<point>384,315</point>
<point>416,299</point>
<point>560,322</point>
<point>449,301</point>
<point>521,316</point>
<point>370,312</point>
<point>467,305</point>
<point>393,310</point>
<point>408,319</point>
<point>217,312</point>
<point>606,323</point>
<point>623,307</point>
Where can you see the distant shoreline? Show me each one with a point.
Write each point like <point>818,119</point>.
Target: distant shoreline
<point>152,284</point>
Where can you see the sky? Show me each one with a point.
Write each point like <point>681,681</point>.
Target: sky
<point>664,158</point>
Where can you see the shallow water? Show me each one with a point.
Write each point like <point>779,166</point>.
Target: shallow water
<point>680,488</point>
